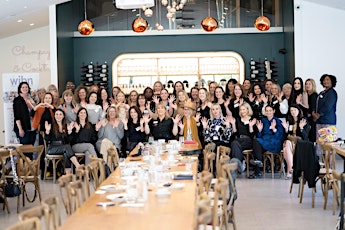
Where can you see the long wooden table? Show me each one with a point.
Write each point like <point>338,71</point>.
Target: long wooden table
<point>178,211</point>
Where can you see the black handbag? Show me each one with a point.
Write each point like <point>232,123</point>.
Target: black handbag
<point>56,149</point>
<point>12,189</point>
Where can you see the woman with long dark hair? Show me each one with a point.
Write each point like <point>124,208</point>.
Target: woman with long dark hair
<point>22,105</point>
<point>56,135</point>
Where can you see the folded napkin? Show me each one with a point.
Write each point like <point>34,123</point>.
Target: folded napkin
<point>189,142</point>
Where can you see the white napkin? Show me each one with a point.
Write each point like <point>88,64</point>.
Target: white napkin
<point>132,205</point>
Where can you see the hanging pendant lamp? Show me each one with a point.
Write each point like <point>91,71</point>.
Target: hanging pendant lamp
<point>139,24</point>
<point>86,27</point>
<point>262,23</point>
<point>209,24</point>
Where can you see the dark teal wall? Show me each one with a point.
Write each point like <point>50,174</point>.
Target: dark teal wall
<point>288,22</point>
<point>257,46</point>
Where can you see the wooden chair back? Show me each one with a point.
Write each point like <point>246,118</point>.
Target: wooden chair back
<point>39,212</point>
<point>5,153</point>
<point>209,156</point>
<point>52,206</point>
<point>204,215</point>
<point>28,171</point>
<point>28,224</point>
<point>220,194</point>
<point>205,182</point>
<point>222,151</point>
<point>64,181</point>
<point>113,158</point>
<point>97,171</point>
<point>76,193</point>
<point>82,173</point>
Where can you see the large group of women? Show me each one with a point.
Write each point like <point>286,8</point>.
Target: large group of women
<point>241,116</point>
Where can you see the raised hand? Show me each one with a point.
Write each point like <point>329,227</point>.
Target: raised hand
<point>252,122</point>
<point>76,108</point>
<point>197,117</point>
<point>171,99</point>
<point>155,99</point>
<point>47,126</point>
<point>264,98</point>
<point>226,121</point>
<point>251,97</point>
<point>177,119</point>
<point>146,118</point>
<point>181,125</point>
<point>241,101</point>
<point>299,99</point>
<point>227,102</point>
<point>259,125</point>
<point>204,121</point>
<point>77,127</point>
<point>70,127</point>
<point>273,124</point>
<point>302,123</point>
<point>285,124</point>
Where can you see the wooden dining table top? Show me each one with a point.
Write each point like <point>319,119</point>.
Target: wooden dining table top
<point>177,211</point>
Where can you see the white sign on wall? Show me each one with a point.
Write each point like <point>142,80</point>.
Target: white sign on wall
<point>10,83</point>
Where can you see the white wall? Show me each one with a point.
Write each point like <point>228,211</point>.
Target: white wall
<point>320,49</point>
<point>25,52</point>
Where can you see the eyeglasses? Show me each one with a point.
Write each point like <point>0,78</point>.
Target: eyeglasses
<point>70,85</point>
<point>112,111</point>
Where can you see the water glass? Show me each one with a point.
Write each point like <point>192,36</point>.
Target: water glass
<point>151,139</point>
<point>131,192</point>
<point>181,139</point>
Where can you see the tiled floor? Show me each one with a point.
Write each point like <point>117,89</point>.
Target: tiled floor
<point>262,204</point>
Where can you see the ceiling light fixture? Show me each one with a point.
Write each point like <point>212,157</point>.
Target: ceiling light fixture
<point>139,24</point>
<point>262,23</point>
<point>209,24</point>
<point>86,27</point>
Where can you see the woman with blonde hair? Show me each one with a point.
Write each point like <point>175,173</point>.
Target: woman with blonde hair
<point>182,97</point>
<point>69,106</point>
<point>188,124</point>
<point>276,101</point>
<point>310,88</point>
<point>162,127</point>
<point>110,133</point>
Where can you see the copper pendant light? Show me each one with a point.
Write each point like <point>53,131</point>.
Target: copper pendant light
<point>139,25</point>
<point>86,27</point>
<point>209,24</point>
<point>262,23</point>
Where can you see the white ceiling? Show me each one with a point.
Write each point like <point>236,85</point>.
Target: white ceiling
<point>37,12</point>
<point>29,11</point>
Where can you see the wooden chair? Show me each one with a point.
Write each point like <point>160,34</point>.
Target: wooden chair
<point>271,157</point>
<point>28,224</point>
<point>76,194</point>
<point>328,156</point>
<point>28,171</point>
<point>228,172</point>
<point>247,154</point>
<point>82,173</point>
<point>52,206</point>
<point>113,158</point>
<point>3,180</point>
<point>40,212</point>
<point>209,156</point>
<point>55,159</point>
<point>205,182</point>
<point>221,151</point>
<point>220,217</point>
<point>336,189</point>
<point>97,171</point>
<point>64,181</point>
<point>204,216</point>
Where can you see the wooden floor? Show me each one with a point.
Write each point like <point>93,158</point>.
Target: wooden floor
<point>262,204</point>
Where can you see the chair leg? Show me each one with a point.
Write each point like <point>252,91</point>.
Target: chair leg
<point>291,184</point>
<point>302,190</point>
<point>247,166</point>
<point>233,218</point>
<point>46,168</point>
<point>272,165</point>
<point>54,171</point>
<point>326,196</point>
<point>313,197</point>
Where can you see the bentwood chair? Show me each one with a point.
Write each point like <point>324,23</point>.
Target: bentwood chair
<point>219,209</point>
<point>39,212</point>
<point>52,206</point>
<point>246,155</point>
<point>222,151</point>
<point>271,157</point>
<point>55,159</point>
<point>3,179</point>
<point>64,181</point>
<point>97,171</point>
<point>28,171</point>
<point>82,173</point>
<point>205,182</point>
<point>113,158</point>
<point>76,194</point>
<point>293,140</point>
<point>229,172</point>
<point>28,224</point>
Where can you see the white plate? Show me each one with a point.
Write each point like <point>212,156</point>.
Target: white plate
<point>114,188</point>
<point>117,198</point>
<point>177,186</point>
